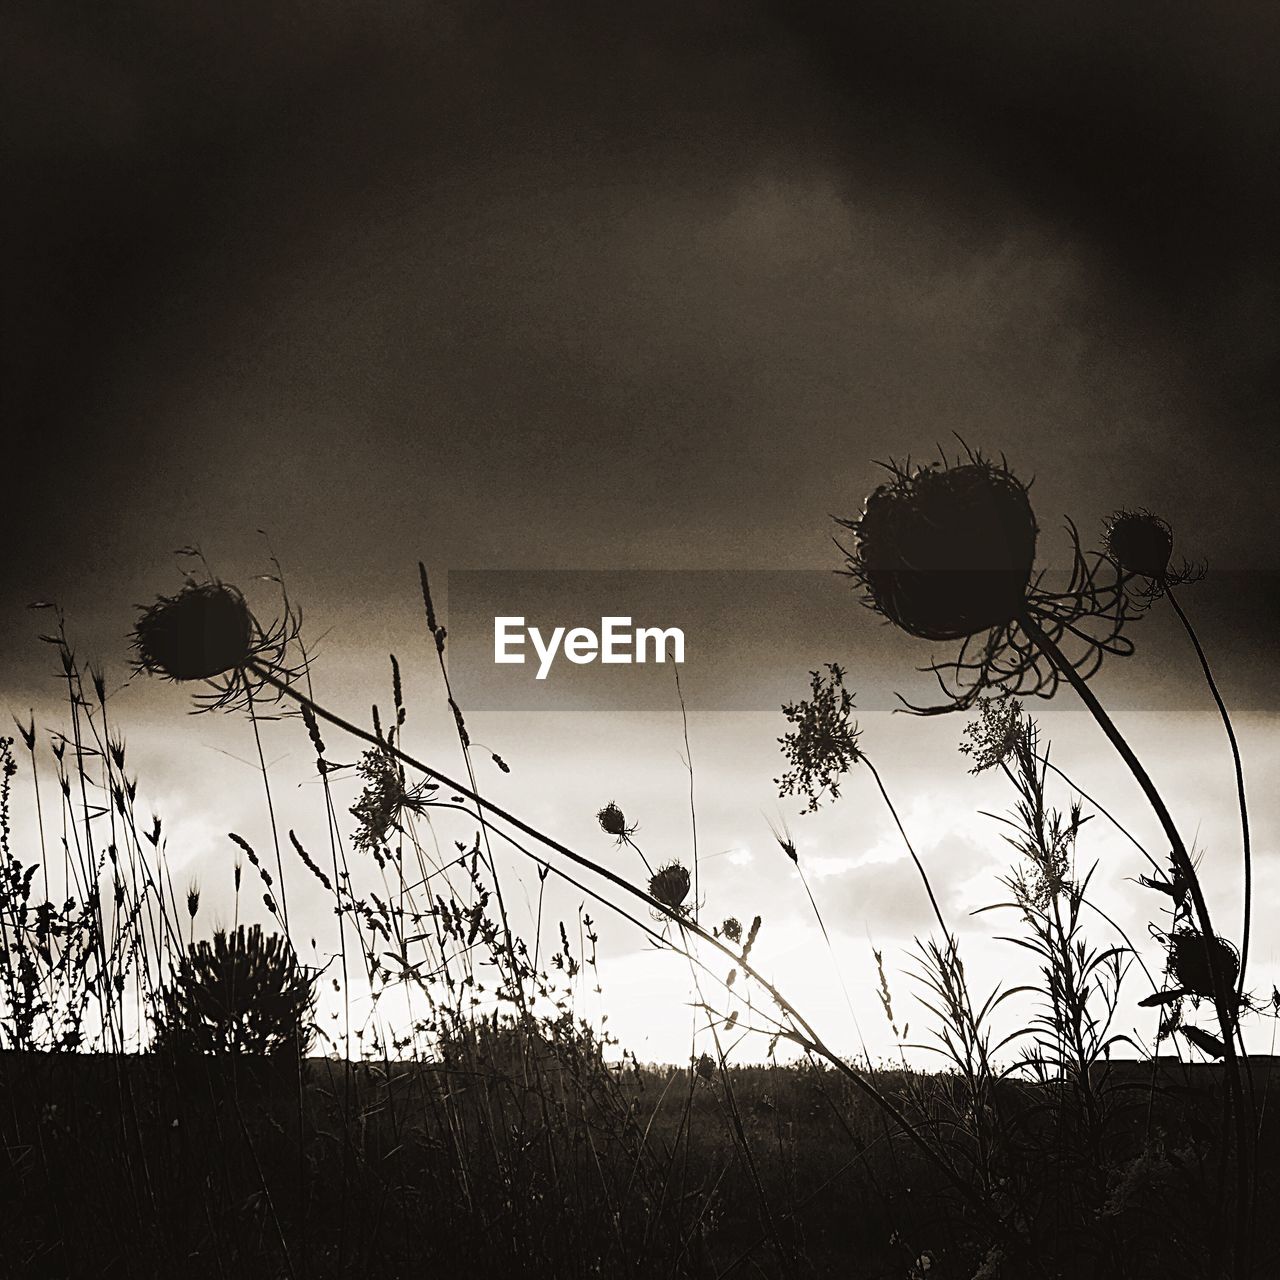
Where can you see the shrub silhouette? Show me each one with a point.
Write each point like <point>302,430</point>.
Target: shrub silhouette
<point>245,994</point>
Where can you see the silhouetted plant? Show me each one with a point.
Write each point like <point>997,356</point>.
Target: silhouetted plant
<point>670,886</point>
<point>207,633</point>
<point>1140,544</point>
<point>947,552</point>
<point>244,993</point>
<point>385,800</point>
<point>823,745</point>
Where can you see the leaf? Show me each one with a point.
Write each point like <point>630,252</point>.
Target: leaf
<point>1205,1042</point>
<point>1161,997</point>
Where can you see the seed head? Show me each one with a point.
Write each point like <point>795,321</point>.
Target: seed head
<point>670,885</point>
<point>193,899</point>
<point>205,631</point>
<point>732,928</point>
<point>1140,542</point>
<point>946,552</point>
<point>706,1067</point>
<point>1193,957</point>
<point>613,822</point>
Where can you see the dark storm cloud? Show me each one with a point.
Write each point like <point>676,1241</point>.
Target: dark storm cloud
<point>486,278</point>
<point>1153,130</point>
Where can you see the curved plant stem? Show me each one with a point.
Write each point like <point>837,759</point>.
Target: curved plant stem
<point>805,1035</point>
<point>1223,995</point>
<point>902,831</point>
<point>1245,841</point>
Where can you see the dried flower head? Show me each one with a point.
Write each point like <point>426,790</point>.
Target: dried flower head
<point>670,885</point>
<point>1193,958</point>
<point>207,632</point>
<point>731,928</point>
<point>823,746</point>
<point>947,552</point>
<point>705,1067</point>
<point>613,822</point>
<point>1140,544</point>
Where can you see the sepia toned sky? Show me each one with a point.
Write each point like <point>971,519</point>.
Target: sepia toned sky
<point>642,287</point>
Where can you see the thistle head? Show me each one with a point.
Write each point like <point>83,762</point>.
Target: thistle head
<point>1140,543</point>
<point>945,552</point>
<point>203,632</point>
<point>670,885</point>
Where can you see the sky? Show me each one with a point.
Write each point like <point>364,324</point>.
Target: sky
<point>642,289</point>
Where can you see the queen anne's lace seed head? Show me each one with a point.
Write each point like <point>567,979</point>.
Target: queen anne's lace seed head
<point>670,885</point>
<point>613,822</point>
<point>946,552</point>
<point>1193,959</point>
<point>1140,543</point>
<point>205,631</point>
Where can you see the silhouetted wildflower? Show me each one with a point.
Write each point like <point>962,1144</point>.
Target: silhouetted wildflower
<point>385,799</point>
<point>207,632</point>
<point>993,736</point>
<point>1192,958</point>
<point>670,885</point>
<point>1140,544</point>
<point>613,822</point>
<point>241,993</point>
<point>732,928</point>
<point>947,552</point>
<point>823,746</point>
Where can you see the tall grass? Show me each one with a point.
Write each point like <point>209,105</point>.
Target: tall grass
<point>465,1112</point>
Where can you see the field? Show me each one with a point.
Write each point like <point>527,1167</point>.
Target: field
<point>126,1167</point>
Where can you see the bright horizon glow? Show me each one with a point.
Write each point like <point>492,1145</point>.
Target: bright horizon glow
<point>198,775</point>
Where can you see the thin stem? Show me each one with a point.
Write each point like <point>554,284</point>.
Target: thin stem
<point>1245,841</point>
<point>1110,817</point>
<point>902,831</point>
